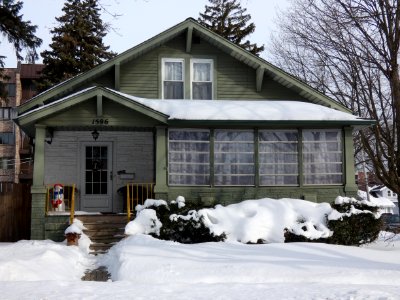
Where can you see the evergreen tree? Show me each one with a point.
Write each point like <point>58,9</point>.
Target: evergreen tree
<point>77,43</point>
<point>21,34</point>
<point>228,19</point>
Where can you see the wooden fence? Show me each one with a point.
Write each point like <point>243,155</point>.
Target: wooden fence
<point>15,211</point>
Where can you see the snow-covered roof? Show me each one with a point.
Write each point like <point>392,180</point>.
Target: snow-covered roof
<point>235,110</point>
<point>227,110</point>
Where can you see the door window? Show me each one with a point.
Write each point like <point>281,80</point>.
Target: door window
<point>96,170</point>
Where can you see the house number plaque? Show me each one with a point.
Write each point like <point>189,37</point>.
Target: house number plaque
<point>100,122</point>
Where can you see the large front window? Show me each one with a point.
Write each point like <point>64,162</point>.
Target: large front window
<point>283,157</point>
<point>189,157</point>
<point>322,157</point>
<point>201,78</point>
<point>173,78</point>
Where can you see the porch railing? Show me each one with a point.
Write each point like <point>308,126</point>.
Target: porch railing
<point>68,200</point>
<point>137,193</point>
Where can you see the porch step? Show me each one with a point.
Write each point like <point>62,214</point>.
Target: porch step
<point>104,231</point>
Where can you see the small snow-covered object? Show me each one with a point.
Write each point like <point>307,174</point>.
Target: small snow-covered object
<point>180,201</point>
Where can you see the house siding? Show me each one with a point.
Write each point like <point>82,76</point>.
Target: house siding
<point>205,196</point>
<point>84,114</point>
<point>232,79</point>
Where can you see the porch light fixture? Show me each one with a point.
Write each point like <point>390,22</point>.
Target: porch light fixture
<point>95,134</point>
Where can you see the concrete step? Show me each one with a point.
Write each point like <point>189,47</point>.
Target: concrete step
<point>104,231</point>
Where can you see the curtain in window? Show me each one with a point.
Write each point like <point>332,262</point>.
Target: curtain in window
<point>201,81</point>
<point>189,157</point>
<point>322,157</point>
<point>234,157</point>
<point>173,80</point>
<point>278,157</point>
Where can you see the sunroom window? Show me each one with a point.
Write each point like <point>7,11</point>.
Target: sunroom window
<point>234,157</point>
<point>322,157</point>
<point>202,78</point>
<point>173,78</point>
<point>189,157</point>
<point>278,157</point>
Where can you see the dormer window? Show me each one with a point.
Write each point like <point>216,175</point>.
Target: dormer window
<point>201,78</point>
<point>173,78</point>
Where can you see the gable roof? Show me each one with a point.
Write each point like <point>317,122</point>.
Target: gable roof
<point>188,26</point>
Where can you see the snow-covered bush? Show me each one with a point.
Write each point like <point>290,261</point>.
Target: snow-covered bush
<point>353,222</point>
<point>176,222</point>
<point>307,231</point>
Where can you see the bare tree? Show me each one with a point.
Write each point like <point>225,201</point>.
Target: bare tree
<point>349,49</point>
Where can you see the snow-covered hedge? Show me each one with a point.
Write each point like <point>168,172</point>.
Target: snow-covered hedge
<point>251,221</point>
<point>347,222</point>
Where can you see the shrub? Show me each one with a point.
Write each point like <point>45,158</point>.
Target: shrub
<point>182,223</point>
<point>353,223</point>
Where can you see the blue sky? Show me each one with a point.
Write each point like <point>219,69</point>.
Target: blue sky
<point>140,20</point>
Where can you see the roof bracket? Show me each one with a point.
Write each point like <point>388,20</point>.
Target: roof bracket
<point>99,105</point>
<point>259,78</point>
<point>189,35</point>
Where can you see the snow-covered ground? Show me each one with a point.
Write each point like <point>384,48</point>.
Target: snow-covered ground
<point>143,267</point>
<point>146,268</point>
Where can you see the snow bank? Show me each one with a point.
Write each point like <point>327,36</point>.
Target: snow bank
<point>146,222</point>
<point>265,219</point>
<point>42,260</point>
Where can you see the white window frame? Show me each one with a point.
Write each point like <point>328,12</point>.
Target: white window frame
<point>207,163</point>
<point>163,61</point>
<point>260,153</point>
<point>202,60</point>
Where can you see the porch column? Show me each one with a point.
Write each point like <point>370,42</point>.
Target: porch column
<point>350,187</point>
<point>38,189</point>
<point>161,188</point>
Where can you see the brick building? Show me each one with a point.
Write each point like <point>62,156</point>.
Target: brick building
<point>15,149</point>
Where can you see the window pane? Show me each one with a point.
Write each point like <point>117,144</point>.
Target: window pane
<point>202,90</point>
<point>234,157</point>
<point>189,157</point>
<point>173,71</point>
<point>322,157</point>
<point>10,87</point>
<point>7,138</point>
<point>278,157</point>
<point>201,71</point>
<point>173,90</point>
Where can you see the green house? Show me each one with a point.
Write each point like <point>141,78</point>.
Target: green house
<point>191,114</point>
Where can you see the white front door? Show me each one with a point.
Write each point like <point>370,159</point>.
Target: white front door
<point>96,174</point>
